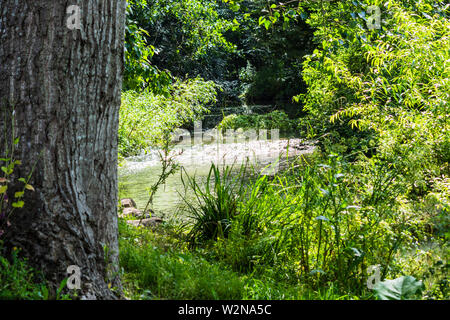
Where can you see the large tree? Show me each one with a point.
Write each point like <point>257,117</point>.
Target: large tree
<point>64,84</point>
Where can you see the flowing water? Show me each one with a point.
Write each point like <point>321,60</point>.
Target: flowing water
<point>139,173</point>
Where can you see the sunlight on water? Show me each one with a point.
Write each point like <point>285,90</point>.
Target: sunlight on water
<point>140,172</point>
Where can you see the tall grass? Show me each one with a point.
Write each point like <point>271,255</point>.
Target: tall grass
<point>18,281</point>
<point>317,223</point>
<point>216,204</point>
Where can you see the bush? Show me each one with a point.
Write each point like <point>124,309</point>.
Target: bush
<point>390,83</point>
<point>321,223</point>
<point>273,120</point>
<point>216,205</point>
<point>148,120</point>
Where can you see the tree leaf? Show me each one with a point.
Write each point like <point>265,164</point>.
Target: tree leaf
<point>402,288</point>
<point>317,271</point>
<point>18,194</point>
<point>29,187</point>
<point>18,204</point>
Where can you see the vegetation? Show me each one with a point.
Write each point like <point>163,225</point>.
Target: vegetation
<point>377,101</point>
<point>318,224</point>
<point>158,265</point>
<point>9,165</point>
<point>18,281</point>
<point>374,201</point>
<point>273,120</point>
<point>149,120</point>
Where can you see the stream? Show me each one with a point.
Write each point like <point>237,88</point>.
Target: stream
<point>138,173</point>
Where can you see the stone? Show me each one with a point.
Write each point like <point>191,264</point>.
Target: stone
<point>131,211</point>
<point>128,203</point>
<point>151,222</point>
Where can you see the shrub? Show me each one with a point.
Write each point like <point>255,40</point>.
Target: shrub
<point>320,223</point>
<point>390,83</point>
<point>148,120</point>
<point>216,205</point>
<point>273,120</point>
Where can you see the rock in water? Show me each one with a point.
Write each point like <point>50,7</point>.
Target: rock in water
<point>152,222</point>
<point>128,203</point>
<point>131,211</point>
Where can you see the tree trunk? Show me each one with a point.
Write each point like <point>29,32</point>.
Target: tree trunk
<point>65,87</point>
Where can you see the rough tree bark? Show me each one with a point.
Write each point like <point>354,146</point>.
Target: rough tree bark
<point>65,87</point>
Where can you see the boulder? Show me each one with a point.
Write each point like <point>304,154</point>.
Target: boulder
<point>131,211</point>
<point>151,222</point>
<point>128,203</point>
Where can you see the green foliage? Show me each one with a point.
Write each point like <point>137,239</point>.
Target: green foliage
<point>377,96</point>
<point>216,206</point>
<point>273,120</point>
<point>428,262</point>
<point>157,265</point>
<point>185,34</point>
<point>9,179</point>
<point>157,273</point>
<point>392,82</point>
<point>139,72</point>
<point>18,280</point>
<point>404,288</point>
<point>214,40</point>
<point>148,120</point>
<point>318,223</point>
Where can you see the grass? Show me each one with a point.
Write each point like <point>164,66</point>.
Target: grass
<point>155,267</point>
<point>284,236</point>
<point>311,232</point>
<point>159,265</point>
<point>18,281</point>
<point>216,203</point>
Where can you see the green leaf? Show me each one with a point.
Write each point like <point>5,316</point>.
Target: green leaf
<point>3,189</point>
<point>61,287</point>
<point>44,292</point>
<point>261,20</point>
<point>18,204</point>
<point>18,194</point>
<point>317,271</point>
<point>402,288</point>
